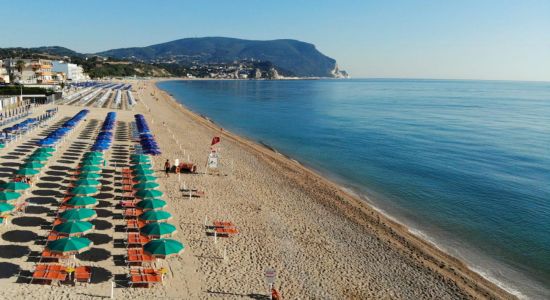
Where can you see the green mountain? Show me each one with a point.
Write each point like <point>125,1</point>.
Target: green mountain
<point>290,57</point>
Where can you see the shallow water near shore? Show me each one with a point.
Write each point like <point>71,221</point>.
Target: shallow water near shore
<point>464,163</point>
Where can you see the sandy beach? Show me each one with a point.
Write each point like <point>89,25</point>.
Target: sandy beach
<point>323,242</point>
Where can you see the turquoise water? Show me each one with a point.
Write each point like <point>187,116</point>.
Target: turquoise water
<point>465,163</point>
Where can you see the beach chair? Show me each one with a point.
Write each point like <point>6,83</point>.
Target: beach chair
<point>144,278</point>
<point>48,256</point>
<point>225,229</point>
<point>137,257</point>
<point>83,274</point>
<point>132,213</point>
<point>134,224</point>
<point>136,239</point>
<point>49,274</point>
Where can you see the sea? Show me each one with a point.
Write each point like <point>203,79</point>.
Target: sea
<point>462,163</point>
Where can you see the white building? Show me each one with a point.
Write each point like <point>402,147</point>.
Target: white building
<point>4,74</point>
<point>72,71</point>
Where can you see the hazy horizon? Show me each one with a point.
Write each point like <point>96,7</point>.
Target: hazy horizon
<point>493,40</point>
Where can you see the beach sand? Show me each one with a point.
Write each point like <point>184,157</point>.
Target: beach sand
<point>323,242</point>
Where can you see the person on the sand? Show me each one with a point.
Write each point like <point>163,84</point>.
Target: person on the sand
<point>167,167</point>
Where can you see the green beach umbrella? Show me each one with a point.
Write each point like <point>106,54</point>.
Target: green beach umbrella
<point>2,146</point>
<point>84,190</point>
<point>33,165</point>
<point>93,162</point>
<point>90,168</point>
<point>145,178</point>
<point>6,208</point>
<point>69,245</point>
<point>73,227</point>
<point>139,156</point>
<point>47,149</point>
<point>151,204</point>
<point>82,201</point>
<point>158,230</point>
<point>41,153</point>
<point>141,166</point>
<point>38,158</point>
<point>79,214</point>
<point>148,194</point>
<point>163,248</point>
<point>140,159</point>
<point>146,185</point>
<point>27,172</point>
<point>91,182</point>
<point>9,196</point>
<point>16,186</point>
<point>155,215</point>
<point>143,172</point>
<point>93,155</point>
<point>89,175</point>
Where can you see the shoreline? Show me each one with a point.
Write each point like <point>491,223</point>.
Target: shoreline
<point>402,238</point>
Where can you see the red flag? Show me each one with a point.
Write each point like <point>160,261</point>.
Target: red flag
<point>215,140</point>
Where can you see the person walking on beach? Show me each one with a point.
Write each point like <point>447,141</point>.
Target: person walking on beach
<point>167,167</point>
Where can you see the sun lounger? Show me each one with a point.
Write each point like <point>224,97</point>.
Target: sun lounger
<point>136,256</point>
<point>128,203</point>
<point>144,279</point>
<point>136,239</point>
<point>83,274</point>
<point>225,228</point>
<point>132,213</point>
<point>49,273</point>
<point>48,256</point>
<point>133,224</point>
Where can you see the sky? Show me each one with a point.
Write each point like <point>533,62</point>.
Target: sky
<point>466,39</point>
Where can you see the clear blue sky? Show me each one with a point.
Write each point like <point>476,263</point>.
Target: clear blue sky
<point>472,39</point>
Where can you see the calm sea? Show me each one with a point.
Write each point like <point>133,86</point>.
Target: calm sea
<point>465,164</point>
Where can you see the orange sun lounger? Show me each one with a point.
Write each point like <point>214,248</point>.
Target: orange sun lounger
<point>137,256</point>
<point>135,238</point>
<point>49,273</point>
<point>132,212</point>
<point>83,274</point>
<point>133,224</point>
<point>51,256</point>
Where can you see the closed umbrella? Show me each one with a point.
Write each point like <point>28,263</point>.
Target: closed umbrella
<point>74,227</point>
<point>79,214</point>
<point>163,248</point>
<point>69,245</point>
<point>155,215</point>
<point>151,204</point>
<point>158,230</point>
